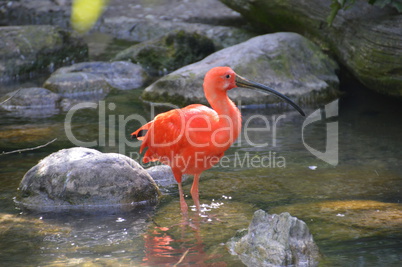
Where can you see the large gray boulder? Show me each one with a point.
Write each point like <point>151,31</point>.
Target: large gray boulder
<point>365,38</point>
<point>28,49</point>
<point>287,62</point>
<point>86,179</point>
<point>275,240</point>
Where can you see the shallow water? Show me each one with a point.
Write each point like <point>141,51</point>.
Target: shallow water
<point>353,209</point>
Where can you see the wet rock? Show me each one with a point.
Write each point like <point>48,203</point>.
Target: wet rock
<point>275,240</point>
<point>162,175</point>
<point>364,37</point>
<point>27,49</point>
<point>31,102</point>
<point>168,53</point>
<point>85,179</point>
<point>78,85</point>
<point>287,62</point>
<point>94,80</point>
<point>120,75</point>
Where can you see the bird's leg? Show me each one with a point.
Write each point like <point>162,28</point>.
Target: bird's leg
<point>194,192</point>
<point>183,204</point>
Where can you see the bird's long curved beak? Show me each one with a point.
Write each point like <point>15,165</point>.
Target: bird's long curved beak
<point>243,82</point>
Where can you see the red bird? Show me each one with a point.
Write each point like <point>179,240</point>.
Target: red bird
<point>193,139</point>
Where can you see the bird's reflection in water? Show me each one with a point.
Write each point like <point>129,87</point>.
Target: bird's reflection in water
<point>180,244</point>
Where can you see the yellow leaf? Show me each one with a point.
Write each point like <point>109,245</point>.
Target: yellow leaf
<point>85,13</point>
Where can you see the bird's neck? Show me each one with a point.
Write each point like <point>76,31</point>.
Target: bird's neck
<point>229,114</point>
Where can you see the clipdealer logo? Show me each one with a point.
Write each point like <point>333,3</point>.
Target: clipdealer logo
<point>330,155</point>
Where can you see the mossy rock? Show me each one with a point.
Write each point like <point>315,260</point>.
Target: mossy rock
<point>29,49</point>
<point>287,62</point>
<point>168,53</point>
<point>365,38</point>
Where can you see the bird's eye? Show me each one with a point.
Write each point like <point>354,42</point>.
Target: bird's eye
<point>228,76</point>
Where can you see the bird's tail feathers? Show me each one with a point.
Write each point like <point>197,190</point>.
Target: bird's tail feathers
<point>141,132</point>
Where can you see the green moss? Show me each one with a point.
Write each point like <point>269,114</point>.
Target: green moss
<point>170,52</point>
<point>47,46</point>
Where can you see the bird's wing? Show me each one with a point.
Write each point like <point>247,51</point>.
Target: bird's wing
<point>172,131</point>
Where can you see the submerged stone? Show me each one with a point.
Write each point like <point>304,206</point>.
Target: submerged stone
<point>86,179</point>
<point>275,240</point>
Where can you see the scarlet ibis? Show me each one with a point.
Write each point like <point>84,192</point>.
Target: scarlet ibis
<point>193,139</point>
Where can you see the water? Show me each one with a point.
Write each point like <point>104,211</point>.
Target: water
<point>353,209</point>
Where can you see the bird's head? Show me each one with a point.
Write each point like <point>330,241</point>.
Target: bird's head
<point>222,79</point>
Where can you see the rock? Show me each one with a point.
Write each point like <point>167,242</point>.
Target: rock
<point>31,102</point>
<point>120,75</point>
<point>86,179</point>
<point>168,53</point>
<point>94,80</point>
<point>365,38</point>
<point>275,240</point>
<point>78,85</point>
<point>28,49</point>
<point>162,175</point>
<point>287,62</point>
<point>39,12</point>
